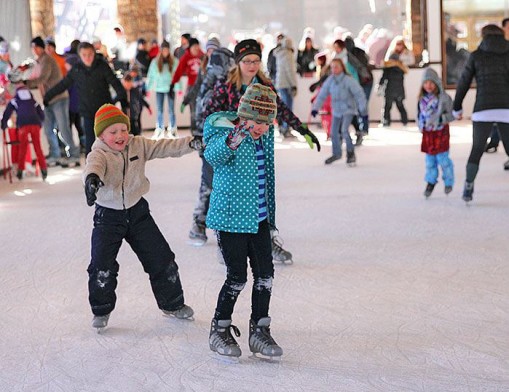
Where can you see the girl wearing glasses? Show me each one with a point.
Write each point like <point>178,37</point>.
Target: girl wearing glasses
<point>227,94</point>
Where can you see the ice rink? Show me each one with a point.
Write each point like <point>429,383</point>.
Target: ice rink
<point>388,292</point>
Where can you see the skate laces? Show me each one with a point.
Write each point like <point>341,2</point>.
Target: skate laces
<point>227,336</point>
<point>263,336</point>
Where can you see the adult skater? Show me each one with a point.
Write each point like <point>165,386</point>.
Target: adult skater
<point>240,148</point>
<point>489,65</point>
<point>115,181</point>
<point>227,94</point>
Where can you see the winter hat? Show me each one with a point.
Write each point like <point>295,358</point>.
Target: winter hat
<point>432,75</point>
<point>212,43</point>
<point>4,47</point>
<point>38,41</point>
<point>107,115</point>
<point>245,47</point>
<point>258,104</point>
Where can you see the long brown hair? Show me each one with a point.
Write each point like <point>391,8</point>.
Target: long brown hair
<point>161,60</point>
<point>235,77</point>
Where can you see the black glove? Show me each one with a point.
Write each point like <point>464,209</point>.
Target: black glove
<point>92,185</point>
<point>45,102</point>
<point>172,93</point>
<point>197,143</point>
<point>309,136</point>
<point>314,113</point>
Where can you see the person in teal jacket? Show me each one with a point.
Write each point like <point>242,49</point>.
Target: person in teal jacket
<point>160,73</point>
<point>240,148</point>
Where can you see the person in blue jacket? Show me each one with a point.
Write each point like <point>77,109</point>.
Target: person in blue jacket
<point>240,148</point>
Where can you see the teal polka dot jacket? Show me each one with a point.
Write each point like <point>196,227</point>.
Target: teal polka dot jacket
<point>234,199</point>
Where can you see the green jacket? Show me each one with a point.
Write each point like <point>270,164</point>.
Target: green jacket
<point>234,198</point>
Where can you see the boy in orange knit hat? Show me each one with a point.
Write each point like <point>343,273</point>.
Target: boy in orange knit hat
<point>115,181</point>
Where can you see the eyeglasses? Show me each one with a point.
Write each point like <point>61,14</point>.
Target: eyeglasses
<point>248,62</point>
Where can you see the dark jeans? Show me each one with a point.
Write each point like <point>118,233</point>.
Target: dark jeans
<point>236,249</point>
<point>387,109</point>
<point>88,127</point>
<point>138,228</point>
<point>481,132</point>
<point>75,119</point>
<point>203,203</point>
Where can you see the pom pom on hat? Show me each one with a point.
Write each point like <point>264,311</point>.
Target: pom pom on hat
<point>258,104</point>
<point>245,47</point>
<point>107,115</point>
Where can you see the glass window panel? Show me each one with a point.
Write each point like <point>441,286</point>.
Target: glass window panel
<point>463,21</point>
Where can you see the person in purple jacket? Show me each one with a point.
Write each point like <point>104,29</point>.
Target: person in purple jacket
<point>29,117</point>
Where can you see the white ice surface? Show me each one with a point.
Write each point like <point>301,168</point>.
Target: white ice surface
<point>389,291</point>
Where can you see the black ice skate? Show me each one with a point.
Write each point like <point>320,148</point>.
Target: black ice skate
<point>261,343</point>
<point>350,158</point>
<point>429,190</point>
<point>468,191</point>
<point>197,234</point>
<point>448,189</point>
<point>221,340</point>
<point>278,253</point>
<point>100,322</point>
<point>183,313</point>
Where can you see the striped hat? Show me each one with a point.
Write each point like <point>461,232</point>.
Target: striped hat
<point>107,115</point>
<point>258,104</point>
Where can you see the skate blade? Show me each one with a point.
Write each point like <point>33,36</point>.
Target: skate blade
<point>196,243</point>
<point>226,358</point>
<point>284,262</point>
<point>169,315</point>
<point>265,358</point>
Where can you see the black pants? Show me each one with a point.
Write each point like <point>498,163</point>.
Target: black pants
<point>138,228</point>
<point>236,249</point>
<point>399,104</point>
<point>88,127</point>
<point>481,132</point>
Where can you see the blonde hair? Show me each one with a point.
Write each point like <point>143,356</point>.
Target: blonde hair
<point>338,60</point>
<point>235,77</point>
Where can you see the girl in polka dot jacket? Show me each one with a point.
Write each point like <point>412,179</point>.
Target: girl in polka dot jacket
<point>240,148</point>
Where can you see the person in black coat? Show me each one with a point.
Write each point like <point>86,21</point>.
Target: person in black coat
<point>489,65</point>
<point>93,77</point>
<point>393,77</point>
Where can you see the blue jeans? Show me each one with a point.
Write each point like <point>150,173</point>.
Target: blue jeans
<point>287,98</point>
<point>432,162</point>
<point>340,125</point>
<point>56,115</point>
<point>160,110</point>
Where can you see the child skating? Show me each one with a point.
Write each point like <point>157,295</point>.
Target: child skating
<point>115,181</point>
<point>434,112</point>
<point>240,148</point>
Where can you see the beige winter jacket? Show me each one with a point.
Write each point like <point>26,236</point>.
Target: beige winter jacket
<point>50,75</point>
<point>123,173</point>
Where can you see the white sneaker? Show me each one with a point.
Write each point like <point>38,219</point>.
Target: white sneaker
<point>172,132</point>
<point>158,134</point>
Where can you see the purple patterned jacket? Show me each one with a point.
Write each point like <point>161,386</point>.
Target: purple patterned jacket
<point>226,98</point>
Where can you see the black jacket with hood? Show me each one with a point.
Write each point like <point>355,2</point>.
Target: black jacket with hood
<point>489,64</point>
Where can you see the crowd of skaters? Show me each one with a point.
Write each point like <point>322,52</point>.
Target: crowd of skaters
<point>76,87</point>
